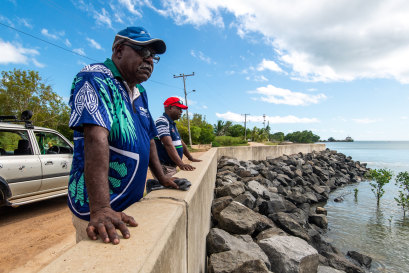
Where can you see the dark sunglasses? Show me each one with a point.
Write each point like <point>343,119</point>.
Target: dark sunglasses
<point>144,52</point>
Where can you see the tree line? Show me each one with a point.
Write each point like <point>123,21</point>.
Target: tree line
<point>25,90</point>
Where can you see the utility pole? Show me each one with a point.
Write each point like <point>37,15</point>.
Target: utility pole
<point>245,128</point>
<point>187,112</point>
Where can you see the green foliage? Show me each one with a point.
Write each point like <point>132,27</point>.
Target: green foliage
<point>380,177</point>
<point>228,141</point>
<point>279,136</point>
<point>402,180</point>
<point>302,137</point>
<point>236,130</point>
<point>25,90</point>
<point>356,193</point>
<point>200,131</point>
<point>331,139</point>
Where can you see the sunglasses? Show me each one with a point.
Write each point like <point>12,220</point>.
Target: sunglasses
<point>144,52</point>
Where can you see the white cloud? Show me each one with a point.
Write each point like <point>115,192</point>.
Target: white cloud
<point>94,44</point>
<point>257,78</point>
<point>79,51</point>
<point>15,53</point>
<point>404,117</point>
<point>269,65</point>
<point>67,42</point>
<point>260,119</point>
<point>365,120</point>
<point>37,63</point>
<point>204,106</point>
<point>276,95</point>
<point>130,6</point>
<point>103,18</point>
<point>25,22</point>
<point>200,55</point>
<point>45,32</point>
<point>317,40</point>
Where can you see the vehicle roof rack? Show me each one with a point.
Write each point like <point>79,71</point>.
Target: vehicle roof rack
<point>25,117</point>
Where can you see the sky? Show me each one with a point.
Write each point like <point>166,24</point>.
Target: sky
<point>338,68</point>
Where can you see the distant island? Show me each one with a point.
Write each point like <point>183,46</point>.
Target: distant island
<point>331,139</point>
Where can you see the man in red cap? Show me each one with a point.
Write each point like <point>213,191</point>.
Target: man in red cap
<point>169,145</point>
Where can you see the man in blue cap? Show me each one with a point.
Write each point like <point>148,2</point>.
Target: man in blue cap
<point>113,137</point>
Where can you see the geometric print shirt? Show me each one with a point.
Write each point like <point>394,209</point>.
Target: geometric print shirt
<point>167,127</point>
<point>100,96</point>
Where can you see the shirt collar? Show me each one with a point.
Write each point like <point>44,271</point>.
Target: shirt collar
<point>170,120</point>
<point>111,66</point>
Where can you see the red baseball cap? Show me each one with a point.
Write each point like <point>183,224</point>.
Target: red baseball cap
<point>174,101</point>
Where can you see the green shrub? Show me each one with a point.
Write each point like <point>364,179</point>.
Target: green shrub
<point>229,141</point>
<point>379,178</point>
<point>402,180</point>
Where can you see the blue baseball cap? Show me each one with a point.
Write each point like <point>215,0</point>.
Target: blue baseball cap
<point>139,36</point>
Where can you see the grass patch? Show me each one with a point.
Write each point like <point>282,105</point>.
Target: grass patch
<point>228,141</point>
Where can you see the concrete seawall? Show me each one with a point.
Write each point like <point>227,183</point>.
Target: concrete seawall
<point>171,236</point>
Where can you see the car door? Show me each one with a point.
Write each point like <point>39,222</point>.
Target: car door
<point>56,159</point>
<point>19,166</point>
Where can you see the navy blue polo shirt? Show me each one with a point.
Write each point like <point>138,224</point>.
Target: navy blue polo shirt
<point>100,96</point>
<point>167,127</point>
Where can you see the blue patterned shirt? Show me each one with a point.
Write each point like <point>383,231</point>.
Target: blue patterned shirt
<point>100,96</point>
<point>167,127</point>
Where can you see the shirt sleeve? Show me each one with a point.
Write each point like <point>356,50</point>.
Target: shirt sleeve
<point>90,102</point>
<point>162,125</point>
<point>153,132</point>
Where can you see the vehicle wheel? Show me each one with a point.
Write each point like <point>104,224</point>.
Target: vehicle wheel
<point>2,198</point>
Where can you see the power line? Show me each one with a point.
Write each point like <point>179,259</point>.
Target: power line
<point>45,41</point>
<point>68,50</point>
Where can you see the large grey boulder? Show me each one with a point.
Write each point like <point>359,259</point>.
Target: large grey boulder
<point>220,204</point>
<point>233,189</point>
<point>271,232</point>
<point>286,222</point>
<point>256,188</point>
<point>246,199</point>
<point>289,254</point>
<point>235,261</point>
<point>219,240</point>
<point>239,219</point>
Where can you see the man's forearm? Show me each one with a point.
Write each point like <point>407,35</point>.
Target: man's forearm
<point>96,157</point>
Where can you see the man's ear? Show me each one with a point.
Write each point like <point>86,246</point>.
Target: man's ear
<point>118,52</point>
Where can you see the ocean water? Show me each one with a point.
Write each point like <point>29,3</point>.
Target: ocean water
<point>357,223</point>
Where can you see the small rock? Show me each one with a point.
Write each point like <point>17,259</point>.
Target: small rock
<point>321,210</point>
<point>360,258</point>
<point>319,219</point>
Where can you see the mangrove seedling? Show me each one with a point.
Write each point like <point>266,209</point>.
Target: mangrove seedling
<point>356,193</point>
<point>402,180</point>
<point>379,177</point>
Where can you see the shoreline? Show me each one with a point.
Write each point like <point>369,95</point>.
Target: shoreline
<point>269,204</point>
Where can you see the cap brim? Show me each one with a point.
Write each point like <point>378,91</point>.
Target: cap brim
<point>184,107</point>
<point>157,44</point>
